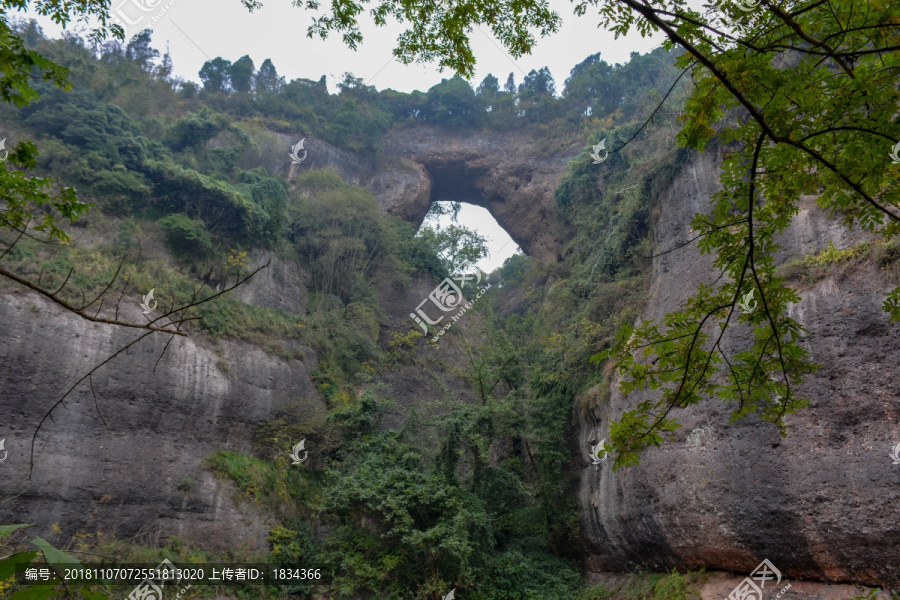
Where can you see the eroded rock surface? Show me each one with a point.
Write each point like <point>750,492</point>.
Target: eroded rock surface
<point>124,476</point>
<point>504,172</point>
<point>821,504</point>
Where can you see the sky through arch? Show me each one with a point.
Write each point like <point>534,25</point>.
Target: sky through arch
<point>500,245</point>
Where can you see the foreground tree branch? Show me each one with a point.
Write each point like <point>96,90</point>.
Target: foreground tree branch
<point>177,323</point>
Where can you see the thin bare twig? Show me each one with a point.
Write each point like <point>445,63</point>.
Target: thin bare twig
<point>695,238</point>
<point>97,406</point>
<point>150,330</point>
<point>658,106</point>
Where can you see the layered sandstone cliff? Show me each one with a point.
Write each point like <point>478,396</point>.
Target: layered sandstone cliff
<point>822,503</point>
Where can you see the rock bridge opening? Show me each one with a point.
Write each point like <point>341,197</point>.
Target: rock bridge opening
<point>500,246</point>
<point>450,185</point>
<point>500,172</point>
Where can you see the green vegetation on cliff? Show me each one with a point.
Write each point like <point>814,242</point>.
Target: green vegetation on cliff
<point>476,496</point>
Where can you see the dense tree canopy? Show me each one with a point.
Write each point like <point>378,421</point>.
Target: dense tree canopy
<point>267,80</point>
<point>241,74</point>
<point>216,75</point>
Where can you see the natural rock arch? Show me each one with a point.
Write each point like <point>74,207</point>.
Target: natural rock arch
<point>502,172</point>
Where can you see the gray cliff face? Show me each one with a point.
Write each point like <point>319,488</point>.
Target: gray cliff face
<point>281,286</point>
<point>822,503</point>
<point>164,420</point>
<point>201,398</point>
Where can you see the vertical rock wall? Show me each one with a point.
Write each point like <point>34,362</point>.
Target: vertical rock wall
<point>162,420</point>
<point>823,503</point>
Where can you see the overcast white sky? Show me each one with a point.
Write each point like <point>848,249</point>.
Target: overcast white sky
<point>198,30</point>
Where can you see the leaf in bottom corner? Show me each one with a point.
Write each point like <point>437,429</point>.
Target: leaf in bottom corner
<point>8,565</point>
<point>7,529</point>
<point>52,555</point>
